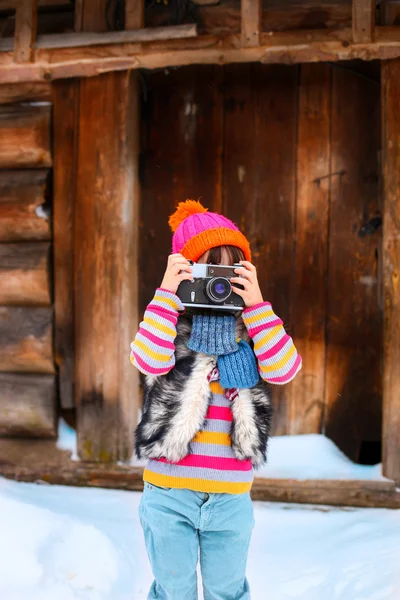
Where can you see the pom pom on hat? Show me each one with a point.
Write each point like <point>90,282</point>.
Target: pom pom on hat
<point>185,210</point>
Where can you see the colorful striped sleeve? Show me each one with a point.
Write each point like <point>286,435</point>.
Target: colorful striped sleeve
<point>153,349</point>
<point>278,360</point>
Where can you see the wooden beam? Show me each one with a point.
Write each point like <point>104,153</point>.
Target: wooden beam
<point>251,11</point>
<point>25,92</point>
<point>25,274</point>
<point>25,30</point>
<point>42,461</point>
<point>391,267</point>
<point>25,136</point>
<point>134,14</point>
<point>363,21</point>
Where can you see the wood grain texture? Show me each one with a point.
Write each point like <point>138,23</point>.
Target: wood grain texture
<point>25,274</point>
<point>391,268</point>
<point>25,30</point>
<point>105,238</point>
<point>307,392</point>
<point>25,138</point>
<point>42,461</point>
<point>251,17</point>
<point>363,20</point>
<point>25,92</point>
<point>134,14</point>
<point>191,166</point>
<point>65,141</point>
<point>23,205</point>
<point>260,120</point>
<point>354,327</point>
<point>27,405</point>
<point>26,339</point>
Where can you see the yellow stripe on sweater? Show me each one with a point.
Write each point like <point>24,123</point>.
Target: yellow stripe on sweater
<point>216,387</point>
<point>211,437</point>
<point>198,485</point>
<point>160,326</point>
<point>267,337</point>
<point>151,353</point>
<point>259,317</point>
<point>281,363</point>
<point>168,301</point>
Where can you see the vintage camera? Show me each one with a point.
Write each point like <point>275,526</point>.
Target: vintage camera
<point>211,288</point>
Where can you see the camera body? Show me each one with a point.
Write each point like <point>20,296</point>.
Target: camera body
<point>211,288</point>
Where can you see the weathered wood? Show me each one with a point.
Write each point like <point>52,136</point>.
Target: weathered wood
<point>312,206</point>
<point>259,152</point>
<point>190,167</point>
<point>26,339</point>
<point>251,11</point>
<point>354,329</point>
<point>363,21</point>
<point>134,14</point>
<point>25,92</point>
<point>280,48</point>
<point>65,139</point>
<point>25,274</point>
<point>23,214</point>
<point>25,30</point>
<point>27,405</point>
<point>25,136</point>
<point>82,40</point>
<point>391,268</point>
<point>12,4</point>
<point>42,461</point>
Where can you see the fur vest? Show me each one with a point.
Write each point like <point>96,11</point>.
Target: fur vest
<point>175,406</point>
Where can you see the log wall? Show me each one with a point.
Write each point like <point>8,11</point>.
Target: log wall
<point>27,377</point>
<point>291,155</point>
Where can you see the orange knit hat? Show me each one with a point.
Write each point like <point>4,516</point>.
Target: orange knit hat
<point>196,230</point>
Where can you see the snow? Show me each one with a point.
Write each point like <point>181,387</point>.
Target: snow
<point>311,456</point>
<point>86,544</point>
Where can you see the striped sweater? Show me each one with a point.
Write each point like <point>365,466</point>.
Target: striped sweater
<point>211,465</point>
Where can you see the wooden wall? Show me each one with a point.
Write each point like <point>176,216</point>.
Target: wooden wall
<point>27,379</point>
<point>291,155</point>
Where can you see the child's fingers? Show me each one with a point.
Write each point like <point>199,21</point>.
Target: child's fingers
<point>248,265</point>
<point>239,292</point>
<point>175,258</point>
<point>177,268</point>
<point>245,272</point>
<point>183,276</point>
<point>239,280</point>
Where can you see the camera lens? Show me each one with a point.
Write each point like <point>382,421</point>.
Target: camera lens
<point>218,289</point>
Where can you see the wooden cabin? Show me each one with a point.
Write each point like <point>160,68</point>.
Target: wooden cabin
<point>284,116</point>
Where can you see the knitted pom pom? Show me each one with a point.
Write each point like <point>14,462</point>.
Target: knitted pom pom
<point>184,210</point>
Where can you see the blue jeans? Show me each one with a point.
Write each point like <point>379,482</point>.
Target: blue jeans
<point>180,524</point>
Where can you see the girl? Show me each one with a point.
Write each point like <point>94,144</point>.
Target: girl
<point>206,414</point>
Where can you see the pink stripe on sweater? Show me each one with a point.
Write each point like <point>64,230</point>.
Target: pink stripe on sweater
<point>219,412</point>
<point>211,462</point>
<point>156,340</point>
<point>275,349</point>
<point>289,375</point>
<point>147,369</point>
<point>165,314</point>
<point>248,312</point>
<point>253,331</point>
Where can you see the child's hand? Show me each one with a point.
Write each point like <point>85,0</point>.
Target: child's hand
<point>178,269</point>
<point>251,293</point>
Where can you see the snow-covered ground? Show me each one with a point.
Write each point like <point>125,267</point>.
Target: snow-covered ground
<point>59,543</point>
<point>312,456</point>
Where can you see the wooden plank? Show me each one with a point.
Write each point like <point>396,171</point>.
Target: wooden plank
<point>190,167</point>
<point>12,4</point>
<point>26,339</point>
<point>260,121</point>
<point>25,92</point>
<point>363,21</point>
<point>25,30</point>
<point>251,11</point>
<point>281,48</point>
<point>27,405</point>
<point>42,461</point>
<point>82,40</point>
<point>307,392</point>
<point>105,238</point>
<point>25,136</point>
<point>391,268</point>
<point>134,14</point>
<point>25,274</point>
<point>354,330</point>
<point>65,140</point>
<point>23,210</point>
